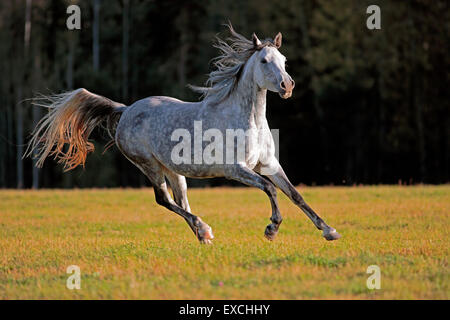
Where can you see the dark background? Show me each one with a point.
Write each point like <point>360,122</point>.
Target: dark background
<point>370,106</point>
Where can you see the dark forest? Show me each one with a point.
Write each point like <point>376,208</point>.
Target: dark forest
<point>369,107</point>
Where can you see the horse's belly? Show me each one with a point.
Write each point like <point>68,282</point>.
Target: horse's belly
<point>196,170</point>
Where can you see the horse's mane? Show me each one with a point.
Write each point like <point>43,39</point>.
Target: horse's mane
<point>235,52</point>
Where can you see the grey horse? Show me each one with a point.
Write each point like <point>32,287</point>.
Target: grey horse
<point>148,132</point>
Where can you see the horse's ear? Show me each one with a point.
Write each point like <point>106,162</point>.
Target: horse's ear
<point>256,41</point>
<point>277,40</point>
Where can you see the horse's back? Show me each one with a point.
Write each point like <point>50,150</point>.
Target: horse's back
<point>146,125</point>
<point>158,106</point>
<point>154,101</point>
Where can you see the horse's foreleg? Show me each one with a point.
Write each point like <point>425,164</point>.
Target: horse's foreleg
<point>250,178</point>
<point>281,181</point>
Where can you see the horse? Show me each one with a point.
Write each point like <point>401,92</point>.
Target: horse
<point>233,98</point>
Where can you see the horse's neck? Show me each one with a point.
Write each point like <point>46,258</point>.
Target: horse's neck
<point>251,99</point>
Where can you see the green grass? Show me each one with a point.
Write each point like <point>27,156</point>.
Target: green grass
<point>128,247</point>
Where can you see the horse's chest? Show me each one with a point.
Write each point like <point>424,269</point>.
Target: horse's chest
<point>260,146</point>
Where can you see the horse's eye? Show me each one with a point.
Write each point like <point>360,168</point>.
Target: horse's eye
<point>263,61</point>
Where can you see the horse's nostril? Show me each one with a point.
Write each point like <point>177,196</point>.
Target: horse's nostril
<point>282,85</point>
<point>292,83</point>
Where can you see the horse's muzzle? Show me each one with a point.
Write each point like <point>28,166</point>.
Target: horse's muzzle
<point>286,88</point>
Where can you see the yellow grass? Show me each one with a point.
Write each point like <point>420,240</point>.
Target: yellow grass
<point>128,247</point>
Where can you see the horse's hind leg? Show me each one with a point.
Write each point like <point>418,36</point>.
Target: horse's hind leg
<point>154,171</point>
<point>179,187</point>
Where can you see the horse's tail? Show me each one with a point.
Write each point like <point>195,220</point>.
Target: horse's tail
<point>71,118</point>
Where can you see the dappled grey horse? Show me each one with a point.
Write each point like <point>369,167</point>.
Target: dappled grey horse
<point>234,99</point>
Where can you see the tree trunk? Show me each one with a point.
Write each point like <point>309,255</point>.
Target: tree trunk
<point>10,121</point>
<point>183,47</point>
<point>37,79</point>
<point>419,124</point>
<point>19,107</point>
<point>3,147</point>
<point>70,57</point>
<point>95,37</point>
<point>379,89</point>
<point>125,77</point>
<point>417,101</point>
<point>125,41</point>
<point>19,137</point>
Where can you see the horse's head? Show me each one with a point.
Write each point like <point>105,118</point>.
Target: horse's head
<point>270,67</point>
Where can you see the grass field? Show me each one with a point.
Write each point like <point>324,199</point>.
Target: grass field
<point>128,247</point>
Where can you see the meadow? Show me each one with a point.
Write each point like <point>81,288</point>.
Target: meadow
<point>128,247</point>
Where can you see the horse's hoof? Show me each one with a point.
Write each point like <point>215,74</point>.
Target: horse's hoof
<point>270,232</point>
<point>206,241</point>
<point>204,233</point>
<point>331,234</point>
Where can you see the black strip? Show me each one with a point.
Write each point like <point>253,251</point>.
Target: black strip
<point>232,309</point>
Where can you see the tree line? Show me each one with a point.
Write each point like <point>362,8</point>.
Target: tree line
<point>369,107</point>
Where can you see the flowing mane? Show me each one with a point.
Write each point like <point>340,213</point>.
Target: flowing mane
<point>235,52</point>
